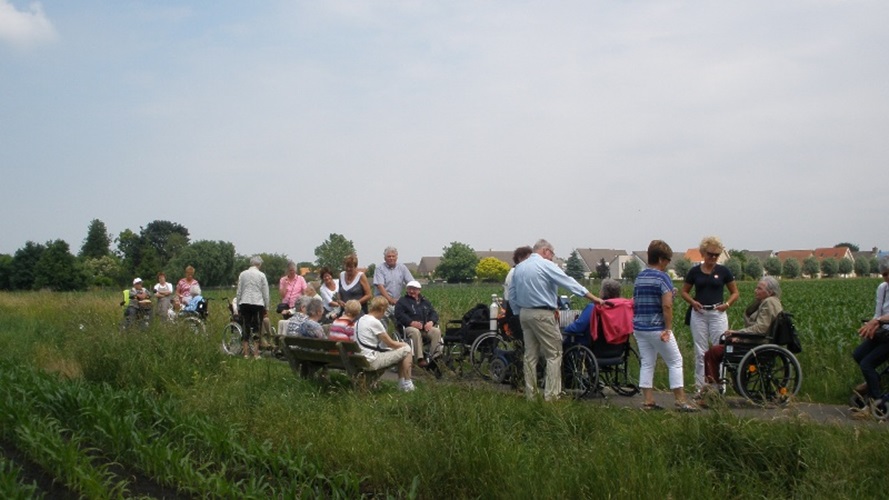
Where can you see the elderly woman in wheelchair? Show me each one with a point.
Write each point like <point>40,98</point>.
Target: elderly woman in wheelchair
<point>762,370</point>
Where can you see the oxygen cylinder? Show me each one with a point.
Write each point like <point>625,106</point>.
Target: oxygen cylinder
<point>494,311</point>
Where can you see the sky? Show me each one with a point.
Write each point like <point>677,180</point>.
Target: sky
<point>593,124</point>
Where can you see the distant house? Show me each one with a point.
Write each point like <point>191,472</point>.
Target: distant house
<point>761,255</point>
<point>591,257</point>
<point>835,253</point>
<point>798,255</point>
<point>695,257</point>
<point>412,267</point>
<point>427,266</point>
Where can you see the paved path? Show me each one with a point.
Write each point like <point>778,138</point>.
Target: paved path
<point>815,412</point>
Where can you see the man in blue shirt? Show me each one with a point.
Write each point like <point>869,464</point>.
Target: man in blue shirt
<point>533,296</point>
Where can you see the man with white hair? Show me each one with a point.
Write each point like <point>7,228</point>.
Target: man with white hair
<point>533,296</point>
<point>390,278</point>
<point>253,303</point>
<point>415,315</point>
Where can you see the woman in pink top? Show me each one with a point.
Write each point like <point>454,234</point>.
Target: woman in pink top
<point>183,288</point>
<point>291,286</point>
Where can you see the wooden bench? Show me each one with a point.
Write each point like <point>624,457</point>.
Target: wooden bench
<point>307,356</point>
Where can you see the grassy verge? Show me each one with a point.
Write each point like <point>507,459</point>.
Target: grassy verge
<point>168,404</point>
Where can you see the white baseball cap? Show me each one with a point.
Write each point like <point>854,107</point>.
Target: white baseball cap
<point>414,284</point>
<point>137,280</point>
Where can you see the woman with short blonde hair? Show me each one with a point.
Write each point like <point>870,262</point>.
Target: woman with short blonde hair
<point>707,309</point>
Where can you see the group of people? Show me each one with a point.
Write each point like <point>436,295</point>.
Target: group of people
<point>532,285</point>
<point>353,310</point>
<point>357,310</point>
<point>183,300</point>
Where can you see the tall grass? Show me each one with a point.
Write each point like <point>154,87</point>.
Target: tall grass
<point>169,404</point>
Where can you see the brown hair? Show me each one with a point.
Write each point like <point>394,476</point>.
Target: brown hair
<point>657,250</point>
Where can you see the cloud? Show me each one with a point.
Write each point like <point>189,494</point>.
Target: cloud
<point>25,28</point>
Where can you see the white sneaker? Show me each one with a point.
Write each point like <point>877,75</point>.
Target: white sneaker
<point>406,386</point>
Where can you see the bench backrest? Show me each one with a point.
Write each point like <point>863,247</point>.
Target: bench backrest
<point>330,352</point>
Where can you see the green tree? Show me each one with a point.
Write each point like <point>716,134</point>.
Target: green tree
<point>735,265</point>
<point>772,265</point>
<point>97,243</point>
<point>874,265</point>
<point>58,269</point>
<point>104,271</point>
<point>844,267</point>
<point>829,267</point>
<point>23,263</point>
<point>274,266</point>
<point>851,246</point>
<point>333,250</point>
<point>603,269</point>
<point>214,263</point>
<point>150,251</point>
<point>491,269</point>
<point>631,270</point>
<point>753,268</point>
<point>862,268</point>
<point>369,272</point>
<point>574,266</point>
<point>791,268</point>
<point>5,271</point>
<point>682,266</point>
<point>166,238</point>
<point>741,255</point>
<point>458,263</point>
<point>811,267</point>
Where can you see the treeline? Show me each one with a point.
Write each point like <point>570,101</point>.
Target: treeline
<point>159,246</point>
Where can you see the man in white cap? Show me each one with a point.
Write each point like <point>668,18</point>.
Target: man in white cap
<point>140,302</point>
<point>416,317</point>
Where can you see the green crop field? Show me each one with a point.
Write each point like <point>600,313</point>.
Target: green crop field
<point>163,413</point>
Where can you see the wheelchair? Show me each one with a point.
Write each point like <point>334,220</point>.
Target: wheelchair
<point>764,371</point>
<point>459,337</point>
<point>136,314</point>
<point>231,332</point>
<point>196,320</point>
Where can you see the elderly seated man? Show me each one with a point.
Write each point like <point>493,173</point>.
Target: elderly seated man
<point>418,319</point>
<point>140,302</point>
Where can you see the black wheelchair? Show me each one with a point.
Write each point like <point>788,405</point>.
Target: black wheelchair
<point>763,369</point>
<point>196,320</point>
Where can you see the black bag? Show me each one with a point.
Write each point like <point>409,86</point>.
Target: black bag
<point>784,332</point>
<point>283,306</point>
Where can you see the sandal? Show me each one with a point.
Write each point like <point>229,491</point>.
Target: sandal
<point>686,407</point>
<point>652,406</point>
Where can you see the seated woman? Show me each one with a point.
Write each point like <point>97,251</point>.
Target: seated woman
<point>311,328</point>
<point>343,328</point>
<point>874,348</point>
<point>297,316</point>
<point>757,319</point>
<point>379,348</point>
<point>194,301</point>
<point>610,290</point>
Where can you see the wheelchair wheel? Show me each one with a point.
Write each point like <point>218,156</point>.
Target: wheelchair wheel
<point>195,325</point>
<point>231,339</point>
<point>499,370</point>
<point>580,372</point>
<point>768,374</point>
<point>624,379</point>
<point>880,409</point>
<point>482,353</point>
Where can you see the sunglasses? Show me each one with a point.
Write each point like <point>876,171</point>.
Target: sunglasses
<point>711,254</point>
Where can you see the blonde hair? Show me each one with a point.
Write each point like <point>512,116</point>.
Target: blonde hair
<point>711,241</point>
<point>378,304</point>
<point>353,308</point>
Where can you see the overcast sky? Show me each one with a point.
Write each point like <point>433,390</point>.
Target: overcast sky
<point>599,124</point>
